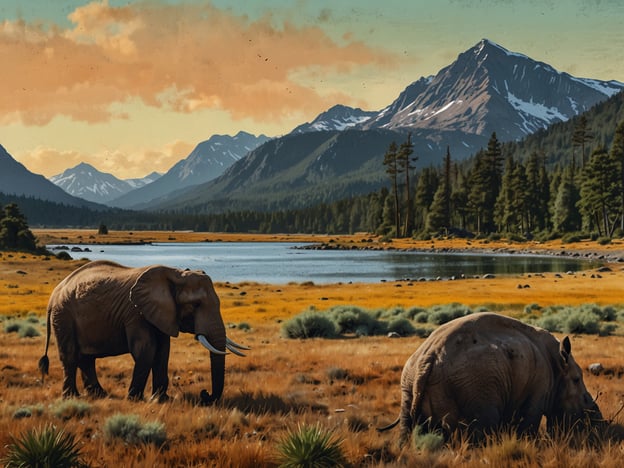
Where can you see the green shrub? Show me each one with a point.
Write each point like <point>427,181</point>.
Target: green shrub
<point>310,446</point>
<point>130,429</point>
<point>426,441</point>
<point>68,409</point>
<point>571,237</point>
<point>28,331</point>
<point>12,326</point>
<point>603,240</point>
<point>27,411</point>
<point>443,314</point>
<point>309,325</point>
<point>47,447</point>
<point>402,327</point>
<point>349,319</point>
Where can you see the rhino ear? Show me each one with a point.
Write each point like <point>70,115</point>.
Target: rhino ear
<point>565,349</point>
<point>153,294</point>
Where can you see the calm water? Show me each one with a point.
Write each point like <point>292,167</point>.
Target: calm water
<point>282,262</point>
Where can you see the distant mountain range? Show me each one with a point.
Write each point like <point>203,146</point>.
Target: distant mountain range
<point>15,179</point>
<point>85,181</point>
<point>487,89</point>
<point>207,161</point>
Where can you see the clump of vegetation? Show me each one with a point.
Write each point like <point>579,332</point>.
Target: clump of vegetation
<point>24,328</point>
<point>353,320</point>
<point>426,441</point>
<point>68,409</point>
<point>27,411</point>
<point>130,429</point>
<point>310,446</point>
<point>47,447</point>
<point>586,319</point>
<point>445,313</point>
<point>309,325</point>
<point>14,231</point>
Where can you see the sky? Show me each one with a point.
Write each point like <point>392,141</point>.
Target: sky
<point>132,87</point>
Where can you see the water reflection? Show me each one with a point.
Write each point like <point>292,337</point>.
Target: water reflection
<point>283,262</point>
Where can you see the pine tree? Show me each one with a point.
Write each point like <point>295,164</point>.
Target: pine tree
<point>601,192</point>
<point>392,169</point>
<point>580,137</point>
<point>617,153</point>
<point>14,231</point>
<point>405,160</point>
<point>566,216</point>
<point>426,187</point>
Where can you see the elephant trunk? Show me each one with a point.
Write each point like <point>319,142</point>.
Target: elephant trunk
<point>215,341</point>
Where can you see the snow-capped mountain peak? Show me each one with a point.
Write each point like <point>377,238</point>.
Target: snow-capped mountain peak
<point>491,89</point>
<point>338,117</point>
<point>86,182</point>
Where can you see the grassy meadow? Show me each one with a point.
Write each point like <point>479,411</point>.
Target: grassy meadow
<point>346,386</point>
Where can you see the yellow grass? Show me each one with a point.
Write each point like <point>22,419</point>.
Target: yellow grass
<point>283,383</point>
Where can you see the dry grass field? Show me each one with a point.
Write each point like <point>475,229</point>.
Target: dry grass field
<point>347,386</point>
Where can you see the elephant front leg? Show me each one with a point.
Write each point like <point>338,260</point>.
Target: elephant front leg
<point>160,369</point>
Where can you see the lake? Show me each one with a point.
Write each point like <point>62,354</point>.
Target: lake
<point>284,262</point>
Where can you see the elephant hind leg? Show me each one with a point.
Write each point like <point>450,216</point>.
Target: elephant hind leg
<point>89,377</point>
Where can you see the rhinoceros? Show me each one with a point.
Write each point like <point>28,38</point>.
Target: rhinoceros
<point>486,371</point>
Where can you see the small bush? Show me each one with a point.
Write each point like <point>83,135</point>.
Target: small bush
<point>402,327</point>
<point>28,331</point>
<point>603,240</point>
<point>129,428</point>
<point>27,411</point>
<point>310,446</point>
<point>47,447</point>
<point>68,409</point>
<point>426,441</point>
<point>443,314</point>
<point>309,325</point>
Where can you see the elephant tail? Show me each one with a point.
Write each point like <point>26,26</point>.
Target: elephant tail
<point>389,426</point>
<point>44,362</point>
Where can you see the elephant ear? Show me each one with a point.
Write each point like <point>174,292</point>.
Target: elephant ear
<point>565,349</point>
<point>153,294</point>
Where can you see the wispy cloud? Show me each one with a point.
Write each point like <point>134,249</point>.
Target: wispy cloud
<point>122,163</point>
<point>177,58</point>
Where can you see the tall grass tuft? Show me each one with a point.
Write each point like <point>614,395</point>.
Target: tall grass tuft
<point>46,447</point>
<point>130,429</point>
<point>310,446</point>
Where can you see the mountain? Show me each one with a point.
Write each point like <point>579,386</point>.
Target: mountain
<point>299,170</point>
<point>338,117</point>
<point>490,89</point>
<point>207,161</point>
<point>86,182</point>
<point>15,179</point>
<point>487,89</point>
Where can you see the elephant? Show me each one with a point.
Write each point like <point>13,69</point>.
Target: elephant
<point>106,309</point>
<point>486,371</point>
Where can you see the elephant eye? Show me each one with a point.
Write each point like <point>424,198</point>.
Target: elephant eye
<point>576,380</point>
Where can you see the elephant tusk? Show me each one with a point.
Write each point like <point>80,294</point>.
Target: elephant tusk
<point>236,345</point>
<point>234,350</point>
<point>206,344</point>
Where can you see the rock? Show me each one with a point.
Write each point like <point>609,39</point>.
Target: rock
<point>394,335</point>
<point>604,269</point>
<point>595,368</point>
<point>488,276</point>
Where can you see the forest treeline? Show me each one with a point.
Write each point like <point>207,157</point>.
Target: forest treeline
<point>497,191</point>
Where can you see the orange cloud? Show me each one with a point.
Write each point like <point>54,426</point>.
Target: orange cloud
<point>124,164</point>
<point>181,58</point>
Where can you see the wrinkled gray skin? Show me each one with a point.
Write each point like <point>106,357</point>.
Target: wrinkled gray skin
<point>486,371</point>
<point>106,309</point>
